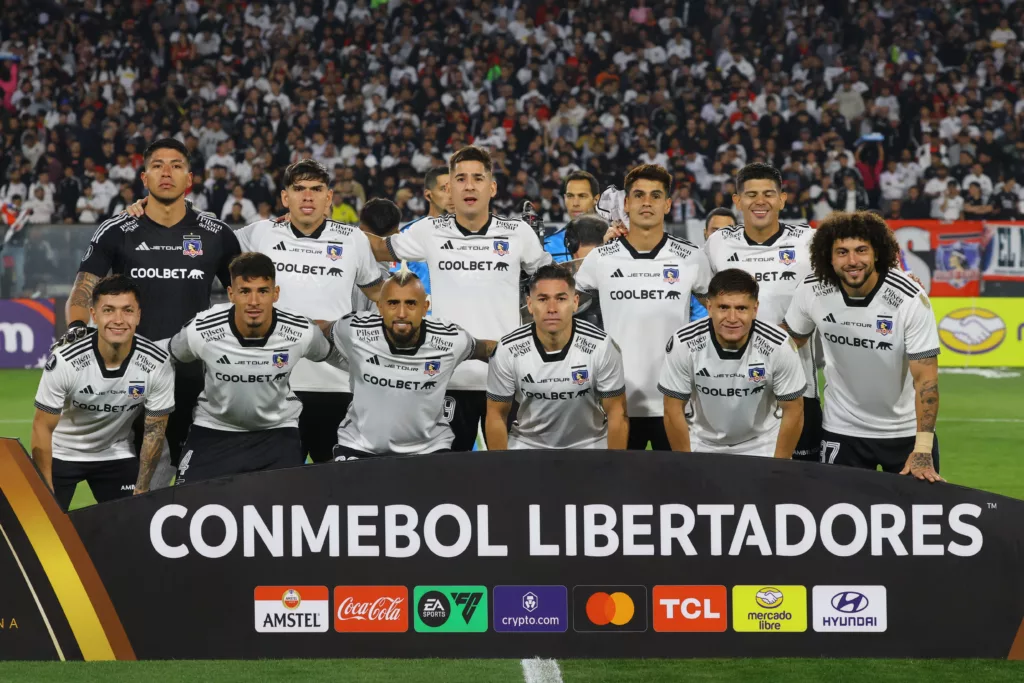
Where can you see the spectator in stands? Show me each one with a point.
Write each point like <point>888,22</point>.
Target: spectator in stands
<point>39,207</point>
<point>949,207</point>
<point>246,210</point>
<point>975,207</point>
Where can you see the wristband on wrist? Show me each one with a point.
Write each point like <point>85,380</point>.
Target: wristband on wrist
<point>924,442</point>
<point>76,323</point>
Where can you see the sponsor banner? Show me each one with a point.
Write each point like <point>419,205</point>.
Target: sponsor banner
<point>690,608</point>
<point>291,609</point>
<point>1004,252</point>
<point>985,332</point>
<point>849,609</point>
<point>460,530</point>
<point>531,609</point>
<point>26,332</point>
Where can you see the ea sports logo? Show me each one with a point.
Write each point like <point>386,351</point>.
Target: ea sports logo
<point>972,331</point>
<point>769,598</point>
<point>849,602</point>
<point>603,609</point>
<point>291,598</point>
<point>434,608</point>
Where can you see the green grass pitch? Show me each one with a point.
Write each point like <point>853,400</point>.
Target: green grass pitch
<point>980,431</point>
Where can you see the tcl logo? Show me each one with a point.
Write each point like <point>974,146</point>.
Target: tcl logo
<point>690,608</point>
<point>376,609</point>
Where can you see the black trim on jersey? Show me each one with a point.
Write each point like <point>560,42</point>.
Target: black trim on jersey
<point>293,320</point>
<point>259,342</point>
<point>590,329</point>
<point>150,349</point>
<point>159,413</point>
<point>694,330</point>
<point>646,255</point>
<point>553,357</point>
<point>931,353</point>
<point>500,399</point>
<point>866,301</point>
<point>794,334</point>
<point>791,397</point>
<point>769,333</point>
<point>613,393</point>
<point>371,284</point>
<point>901,284</point>
<point>729,354</point>
<point>673,394</point>
<point>121,369</point>
<point>421,338</point>
<point>315,235</point>
<point>77,348</point>
<point>215,320</point>
<point>470,233</point>
<point>57,411</point>
<point>517,334</point>
<point>811,279</point>
<point>391,249</point>
<point>770,242</point>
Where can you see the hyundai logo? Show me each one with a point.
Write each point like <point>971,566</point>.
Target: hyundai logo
<point>849,602</point>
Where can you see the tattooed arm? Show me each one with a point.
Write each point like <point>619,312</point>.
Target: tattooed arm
<point>483,349</point>
<point>926,402</point>
<point>152,447</point>
<point>80,301</point>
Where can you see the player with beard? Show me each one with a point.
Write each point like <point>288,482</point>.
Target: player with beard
<point>173,254</point>
<point>881,345</point>
<point>400,365</point>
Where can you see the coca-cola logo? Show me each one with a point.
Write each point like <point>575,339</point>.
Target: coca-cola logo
<point>371,609</point>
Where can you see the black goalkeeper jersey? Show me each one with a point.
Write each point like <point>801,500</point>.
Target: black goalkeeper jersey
<point>174,266</point>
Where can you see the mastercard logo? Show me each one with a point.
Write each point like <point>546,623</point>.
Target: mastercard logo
<point>615,608</point>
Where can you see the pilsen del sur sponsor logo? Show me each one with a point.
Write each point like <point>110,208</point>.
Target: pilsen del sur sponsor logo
<point>596,530</point>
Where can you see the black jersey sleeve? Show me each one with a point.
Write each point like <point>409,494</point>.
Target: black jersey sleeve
<point>230,248</point>
<point>103,249</point>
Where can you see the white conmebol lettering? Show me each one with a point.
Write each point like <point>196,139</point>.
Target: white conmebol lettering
<point>156,531</point>
<point>957,525</point>
<point>195,531</point>
<point>253,524</point>
<point>430,530</point>
<point>680,535</point>
<point>783,548</point>
<point>328,533</point>
<point>393,531</point>
<point>592,529</point>
<point>860,530</point>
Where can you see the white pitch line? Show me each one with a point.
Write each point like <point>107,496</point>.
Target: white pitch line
<point>980,419</point>
<point>539,670</point>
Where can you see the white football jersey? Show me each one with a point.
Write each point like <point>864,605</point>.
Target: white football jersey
<point>318,275</point>
<point>735,393</point>
<point>247,385</point>
<point>559,394</point>
<point>474,276</point>
<point>778,264</point>
<point>398,394</point>
<point>97,405</point>
<point>869,391</point>
<point>644,298</point>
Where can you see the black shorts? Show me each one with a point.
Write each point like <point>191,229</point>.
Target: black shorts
<point>464,410</point>
<point>644,429</point>
<point>108,479</point>
<point>808,448</point>
<point>322,412</point>
<point>211,453</point>
<point>187,387</point>
<point>854,451</point>
<point>352,454</point>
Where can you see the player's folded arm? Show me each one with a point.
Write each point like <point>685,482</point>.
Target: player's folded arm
<point>612,393</point>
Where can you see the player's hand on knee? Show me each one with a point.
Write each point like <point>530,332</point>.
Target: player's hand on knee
<point>137,209</point>
<point>921,466</point>
<point>76,330</point>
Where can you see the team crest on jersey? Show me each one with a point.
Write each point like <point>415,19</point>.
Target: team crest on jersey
<point>756,373</point>
<point>501,247</point>
<point>671,274</point>
<point>787,257</point>
<point>334,251</point>
<point>279,359</point>
<point>136,390</point>
<point>884,325</point>
<point>192,246</point>
<point>580,376</point>
<point>431,367</point>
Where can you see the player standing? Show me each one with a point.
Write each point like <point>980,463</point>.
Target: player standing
<point>90,393</point>
<point>644,281</point>
<point>566,375</point>
<point>881,346</point>
<point>173,254</point>
<point>716,220</point>
<point>320,264</point>
<point>401,364</point>
<point>475,260</point>
<point>739,372</point>
<point>247,418</point>
<point>778,256</point>
<point>437,192</point>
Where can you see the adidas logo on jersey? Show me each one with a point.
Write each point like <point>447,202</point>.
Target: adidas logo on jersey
<point>373,360</point>
<point>617,273</point>
<point>142,247</point>
<point>223,360</point>
<point>703,373</point>
<point>734,258</point>
<point>829,318</point>
<point>528,379</point>
<point>447,245</point>
<point>87,390</point>
<point>280,247</point>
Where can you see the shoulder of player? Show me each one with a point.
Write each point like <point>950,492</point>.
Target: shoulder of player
<point>678,246</point>
<point>590,330</point>
<point>441,327</point>
<point>112,226</point>
<point>338,229</point>
<point>212,317</point>
<point>415,222</point>
<point>797,230</point>
<point>774,335</point>
<point>517,335</point>
<point>733,233</point>
<point>608,249</point>
<point>364,320</point>
<point>211,223</point>
<point>83,345</point>
<point>512,224</point>
<point>293,319</point>
<point>150,348</point>
<point>693,330</point>
<point>902,285</point>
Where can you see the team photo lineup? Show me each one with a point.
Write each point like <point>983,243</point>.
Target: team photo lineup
<point>347,341</point>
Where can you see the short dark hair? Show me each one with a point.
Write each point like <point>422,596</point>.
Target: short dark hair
<point>587,229</point>
<point>861,225</point>
<point>651,172</point>
<point>720,211</point>
<point>166,143</point>
<point>759,171</point>
<point>595,187</point>
<point>116,284</point>
<point>552,271</point>
<point>252,265</point>
<point>472,153</point>
<point>307,169</point>
<point>430,179</point>
<point>733,281</point>
<point>380,216</point>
